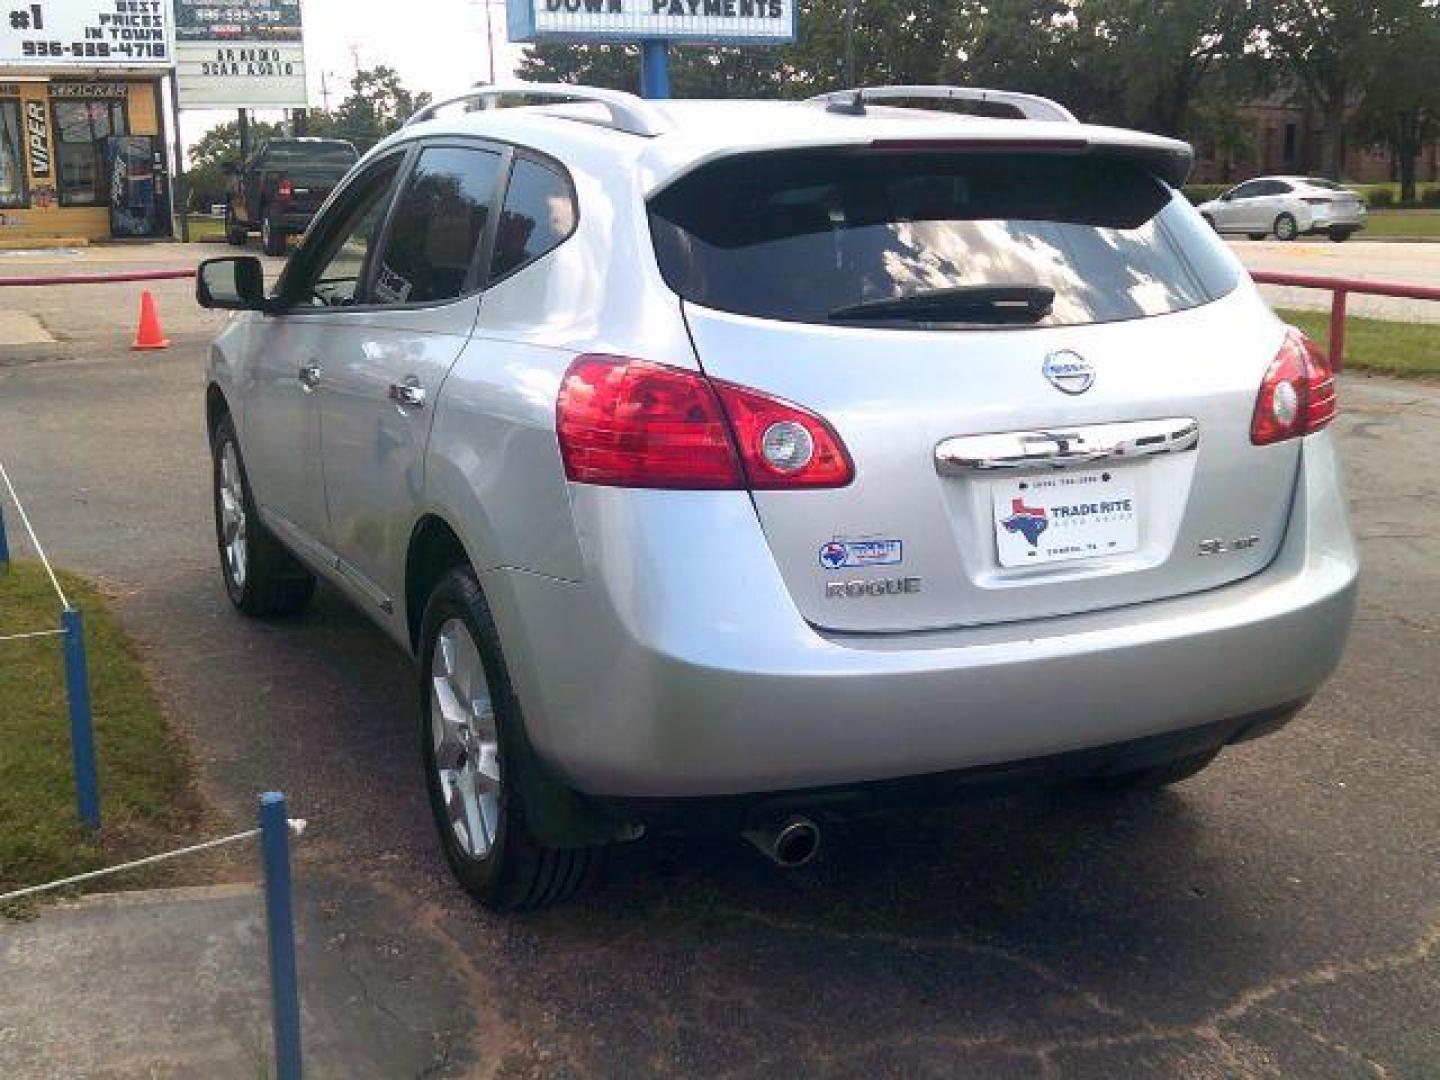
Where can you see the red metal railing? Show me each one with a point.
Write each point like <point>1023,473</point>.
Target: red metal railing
<point>1339,289</point>
<point>99,279</point>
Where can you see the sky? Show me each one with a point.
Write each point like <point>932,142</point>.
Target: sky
<point>435,45</point>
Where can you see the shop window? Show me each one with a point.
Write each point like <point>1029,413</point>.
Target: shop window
<point>81,128</point>
<point>12,156</point>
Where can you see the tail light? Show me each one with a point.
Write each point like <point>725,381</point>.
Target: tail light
<point>628,423</point>
<point>1298,394</point>
<point>286,190</point>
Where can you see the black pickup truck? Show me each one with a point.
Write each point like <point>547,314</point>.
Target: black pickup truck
<point>279,188</point>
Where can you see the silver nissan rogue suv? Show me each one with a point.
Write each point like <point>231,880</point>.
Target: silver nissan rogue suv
<point>745,464</point>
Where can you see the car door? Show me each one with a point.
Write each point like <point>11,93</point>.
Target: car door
<point>282,412</point>
<point>386,359</point>
<point>251,182</point>
<point>1279,199</point>
<point>1239,212</point>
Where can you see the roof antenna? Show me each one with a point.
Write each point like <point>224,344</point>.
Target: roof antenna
<point>854,107</point>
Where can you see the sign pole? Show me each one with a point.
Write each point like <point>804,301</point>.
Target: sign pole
<point>179,196</point>
<point>654,68</point>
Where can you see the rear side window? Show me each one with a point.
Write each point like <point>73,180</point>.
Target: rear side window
<point>539,215</point>
<point>436,226</point>
<point>817,237</point>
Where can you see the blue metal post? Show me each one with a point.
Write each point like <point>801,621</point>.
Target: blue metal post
<point>4,542</point>
<point>654,69</point>
<point>280,922</point>
<point>82,731</point>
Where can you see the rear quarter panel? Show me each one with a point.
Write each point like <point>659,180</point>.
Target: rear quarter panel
<point>494,468</point>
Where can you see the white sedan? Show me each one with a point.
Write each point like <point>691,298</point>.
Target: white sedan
<point>1287,206</point>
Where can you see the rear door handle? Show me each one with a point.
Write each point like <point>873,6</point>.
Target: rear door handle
<point>1061,448</point>
<point>309,376</point>
<point>408,394</point>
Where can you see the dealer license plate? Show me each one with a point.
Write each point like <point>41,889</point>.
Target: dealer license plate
<point>1064,515</point>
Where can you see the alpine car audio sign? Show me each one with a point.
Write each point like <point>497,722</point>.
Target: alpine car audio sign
<point>758,22</point>
<point>240,55</point>
<point>86,33</point>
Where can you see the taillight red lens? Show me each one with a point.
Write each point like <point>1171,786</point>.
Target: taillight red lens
<point>629,423</point>
<point>781,444</point>
<point>626,423</point>
<point>1298,394</point>
<point>286,190</point>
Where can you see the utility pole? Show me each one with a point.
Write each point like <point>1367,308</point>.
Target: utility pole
<point>850,42</point>
<point>244,122</point>
<point>489,41</point>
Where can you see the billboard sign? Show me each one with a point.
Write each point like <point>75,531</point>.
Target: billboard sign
<point>86,34</point>
<point>728,22</point>
<point>240,54</point>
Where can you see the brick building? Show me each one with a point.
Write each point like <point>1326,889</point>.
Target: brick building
<point>1279,137</point>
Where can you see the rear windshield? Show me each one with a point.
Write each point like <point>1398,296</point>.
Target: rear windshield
<point>817,236</point>
<point>339,154</point>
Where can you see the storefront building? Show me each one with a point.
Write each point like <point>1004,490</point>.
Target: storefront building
<point>81,159</point>
<point>82,132</point>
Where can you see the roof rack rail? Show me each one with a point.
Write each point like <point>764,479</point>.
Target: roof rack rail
<point>1030,106</point>
<point>628,113</point>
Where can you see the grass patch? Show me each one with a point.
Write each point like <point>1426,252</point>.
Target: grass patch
<point>1379,345</point>
<point>1401,223</point>
<point>148,799</point>
<point>206,230</point>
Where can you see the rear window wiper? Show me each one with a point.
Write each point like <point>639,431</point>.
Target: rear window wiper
<point>1001,303</point>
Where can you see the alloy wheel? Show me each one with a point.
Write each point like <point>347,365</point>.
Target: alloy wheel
<point>465,740</point>
<point>232,515</point>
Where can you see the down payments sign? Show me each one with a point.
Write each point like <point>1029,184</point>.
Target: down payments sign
<point>767,22</point>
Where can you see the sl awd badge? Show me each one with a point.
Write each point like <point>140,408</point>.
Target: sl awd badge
<point>1068,372</point>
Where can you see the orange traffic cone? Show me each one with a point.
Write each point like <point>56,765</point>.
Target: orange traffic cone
<point>149,336</point>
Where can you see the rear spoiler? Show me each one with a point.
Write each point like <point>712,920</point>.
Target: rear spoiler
<point>1168,159</point>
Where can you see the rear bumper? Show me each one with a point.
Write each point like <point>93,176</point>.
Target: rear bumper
<point>736,813</point>
<point>292,221</point>
<point>697,676</point>
<point>1323,220</point>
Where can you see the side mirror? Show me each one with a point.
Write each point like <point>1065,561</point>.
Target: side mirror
<point>231,284</point>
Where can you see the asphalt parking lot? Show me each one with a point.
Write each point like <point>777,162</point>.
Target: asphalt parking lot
<point>1279,915</point>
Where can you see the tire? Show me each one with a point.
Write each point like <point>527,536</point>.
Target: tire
<point>1340,235</point>
<point>261,577</point>
<point>235,236</point>
<point>473,753</point>
<point>1257,235</point>
<point>273,239</point>
<point>1155,776</point>
<point>1286,228</point>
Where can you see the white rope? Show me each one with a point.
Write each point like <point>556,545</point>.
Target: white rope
<point>297,826</point>
<point>35,634</point>
<point>25,520</point>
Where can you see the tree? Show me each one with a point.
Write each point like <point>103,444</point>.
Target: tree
<point>1329,47</point>
<point>1138,63</point>
<point>1401,110</point>
<point>378,103</point>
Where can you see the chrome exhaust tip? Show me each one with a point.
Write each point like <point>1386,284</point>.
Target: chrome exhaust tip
<point>792,843</point>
